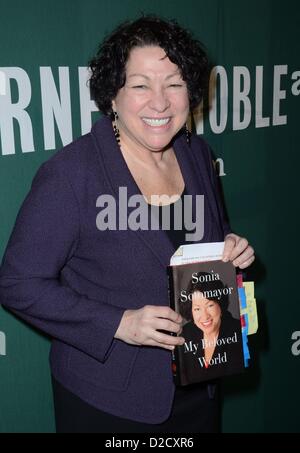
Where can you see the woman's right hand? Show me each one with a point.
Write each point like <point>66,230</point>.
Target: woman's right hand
<point>145,325</point>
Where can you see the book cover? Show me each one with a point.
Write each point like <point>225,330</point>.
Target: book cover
<point>206,296</point>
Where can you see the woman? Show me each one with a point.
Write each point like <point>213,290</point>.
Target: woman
<point>101,293</point>
<point>210,326</point>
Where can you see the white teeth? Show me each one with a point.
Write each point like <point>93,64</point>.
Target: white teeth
<point>156,121</point>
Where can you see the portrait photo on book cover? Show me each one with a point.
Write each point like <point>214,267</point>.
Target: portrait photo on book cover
<point>207,298</point>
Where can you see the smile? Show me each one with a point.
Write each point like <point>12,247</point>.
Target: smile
<point>156,121</point>
<point>207,323</point>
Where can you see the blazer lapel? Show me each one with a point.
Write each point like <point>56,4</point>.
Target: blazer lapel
<point>118,175</point>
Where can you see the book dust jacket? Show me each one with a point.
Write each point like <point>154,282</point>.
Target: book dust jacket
<point>206,296</point>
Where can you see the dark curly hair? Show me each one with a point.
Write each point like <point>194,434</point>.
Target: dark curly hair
<point>204,286</point>
<point>108,66</point>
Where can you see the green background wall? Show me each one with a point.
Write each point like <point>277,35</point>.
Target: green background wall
<point>262,167</point>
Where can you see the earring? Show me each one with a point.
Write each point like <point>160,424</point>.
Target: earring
<point>187,135</point>
<point>116,130</point>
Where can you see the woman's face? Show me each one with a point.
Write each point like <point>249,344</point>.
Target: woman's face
<point>206,314</point>
<point>153,105</point>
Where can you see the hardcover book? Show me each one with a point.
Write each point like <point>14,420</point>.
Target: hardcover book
<point>206,295</point>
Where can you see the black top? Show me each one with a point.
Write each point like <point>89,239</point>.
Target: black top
<point>176,236</point>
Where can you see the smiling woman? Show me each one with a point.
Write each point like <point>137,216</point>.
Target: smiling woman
<point>158,74</point>
<point>210,327</point>
<point>153,105</point>
<point>89,289</point>
<point>150,109</point>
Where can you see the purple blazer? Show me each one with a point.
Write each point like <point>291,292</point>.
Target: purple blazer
<point>72,281</point>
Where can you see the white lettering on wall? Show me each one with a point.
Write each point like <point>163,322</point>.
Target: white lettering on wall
<point>87,106</point>
<point>10,111</point>
<point>260,120</point>
<point>246,95</point>
<point>2,343</point>
<point>2,83</point>
<point>218,76</point>
<point>278,95</point>
<point>296,85</point>
<point>220,167</point>
<point>241,78</point>
<point>296,345</point>
<point>56,107</point>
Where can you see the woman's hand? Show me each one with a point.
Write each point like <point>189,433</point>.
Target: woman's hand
<point>145,325</point>
<point>238,251</point>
